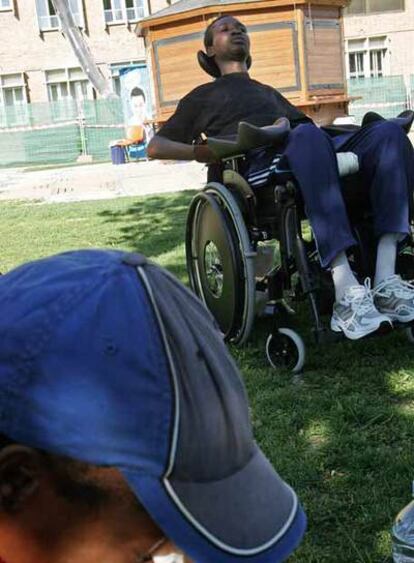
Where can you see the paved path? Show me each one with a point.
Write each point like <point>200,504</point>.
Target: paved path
<point>100,181</point>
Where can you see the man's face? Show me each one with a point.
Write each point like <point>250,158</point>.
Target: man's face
<point>230,40</point>
<point>138,109</point>
<point>40,523</point>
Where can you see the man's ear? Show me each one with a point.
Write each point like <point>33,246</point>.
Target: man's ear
<point>21,469</point>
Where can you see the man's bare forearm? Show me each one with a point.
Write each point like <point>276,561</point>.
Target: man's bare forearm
<point>162,148</point>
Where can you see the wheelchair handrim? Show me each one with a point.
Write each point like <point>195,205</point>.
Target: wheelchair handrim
<point>240,334</point>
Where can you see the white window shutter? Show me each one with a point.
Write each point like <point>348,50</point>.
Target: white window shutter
<point>42,14</point>
<point>76,7</point>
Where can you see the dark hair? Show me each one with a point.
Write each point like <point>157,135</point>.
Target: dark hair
<point>208,34</point>
<point>76,482</point>
<point>137,92</point>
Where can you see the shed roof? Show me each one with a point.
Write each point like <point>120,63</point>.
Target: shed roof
<point>188,5</point>
<point>213,6</point>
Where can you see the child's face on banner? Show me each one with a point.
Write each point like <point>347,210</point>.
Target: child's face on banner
<point>138,109</point>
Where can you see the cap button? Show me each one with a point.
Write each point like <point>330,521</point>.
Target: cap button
<point>134,259</point>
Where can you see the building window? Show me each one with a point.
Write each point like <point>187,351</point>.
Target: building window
<point>367,57</point>
<point>356,65</point>
<point>68,84</point>
<point>13,100</point>
<point>76,7</point>
<point>49,20</point>
<point>377,56</point>
<point>46,15</point>
<point>374,6</point>
<point>12,90</point>
<point>120,11</point>
<point>6,5</point>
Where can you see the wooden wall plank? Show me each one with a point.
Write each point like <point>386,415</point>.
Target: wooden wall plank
<point>199,24</point>
<point>178,69</point>
<point>321,12</point>
<point>324,56</point>
<point>273,57</point>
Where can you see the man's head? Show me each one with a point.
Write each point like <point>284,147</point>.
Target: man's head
<point>226,39</point>
<point>123,421</point>
<point>54,509</point>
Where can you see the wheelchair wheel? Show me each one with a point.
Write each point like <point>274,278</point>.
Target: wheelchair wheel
<point>285,350</point>
<point>220,260</point>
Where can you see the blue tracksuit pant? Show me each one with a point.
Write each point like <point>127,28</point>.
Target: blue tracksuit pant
<point>386,160</point>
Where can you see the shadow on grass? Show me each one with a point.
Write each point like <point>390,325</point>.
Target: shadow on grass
<point>341,435</point>
<point>154,226</point>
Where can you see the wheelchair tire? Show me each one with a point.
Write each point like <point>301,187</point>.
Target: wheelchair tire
<point>285,349</point>
<point>220,261</point>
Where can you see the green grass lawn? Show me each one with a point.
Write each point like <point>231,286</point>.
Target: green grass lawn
<point>342,435</point>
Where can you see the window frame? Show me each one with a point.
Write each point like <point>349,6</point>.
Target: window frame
<point>124,10</point>
<point>364,47</point>
<point>368,12</point>
<point>381,54</point>
<point>6,117</point>
<point>10,8</point>
<point>23,86</point>
<point>356,73</point>
<point>80,13</point>
<point>68,81</point>
<point>79,16</point>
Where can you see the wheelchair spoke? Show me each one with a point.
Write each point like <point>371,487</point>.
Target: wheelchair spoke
<point>213,268</point>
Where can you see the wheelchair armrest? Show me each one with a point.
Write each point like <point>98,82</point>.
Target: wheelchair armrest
<point>250,137</point>
<point>404,119</point>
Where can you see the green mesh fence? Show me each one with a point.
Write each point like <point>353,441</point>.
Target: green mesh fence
<point>47,146</point>
<point>58,132</point>
<point>102,120</point>
<point>386,95</point>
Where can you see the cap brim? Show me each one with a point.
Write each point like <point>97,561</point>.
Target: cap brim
<point>247,515</point>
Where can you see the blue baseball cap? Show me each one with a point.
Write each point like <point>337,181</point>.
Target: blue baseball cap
<point>108,359</point>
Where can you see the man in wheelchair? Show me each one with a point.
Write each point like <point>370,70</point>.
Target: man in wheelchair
<point>386,164</point>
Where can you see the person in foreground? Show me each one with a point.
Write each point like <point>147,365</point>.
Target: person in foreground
<point>125,433</point>
<point>386,162</point>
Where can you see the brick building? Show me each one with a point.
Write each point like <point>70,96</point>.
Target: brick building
<point>37,63</point>
<point>379,38</point>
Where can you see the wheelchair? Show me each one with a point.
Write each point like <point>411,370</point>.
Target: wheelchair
<point>250,254</point>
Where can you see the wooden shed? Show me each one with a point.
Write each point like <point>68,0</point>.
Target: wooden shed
<point>297,47</point>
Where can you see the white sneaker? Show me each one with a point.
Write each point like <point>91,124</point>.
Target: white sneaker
<point>395,298</point>
<point>355,314</point>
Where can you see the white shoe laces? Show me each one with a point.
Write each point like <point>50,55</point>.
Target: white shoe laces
<point>396,285</point>
<point>361,300</point>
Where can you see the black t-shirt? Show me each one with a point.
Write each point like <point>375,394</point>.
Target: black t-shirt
<point>216,108</point>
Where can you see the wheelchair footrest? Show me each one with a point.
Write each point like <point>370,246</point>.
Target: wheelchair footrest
<point>325,335</point>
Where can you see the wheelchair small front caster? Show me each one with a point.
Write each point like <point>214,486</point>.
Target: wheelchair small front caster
<point>285,349</point>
